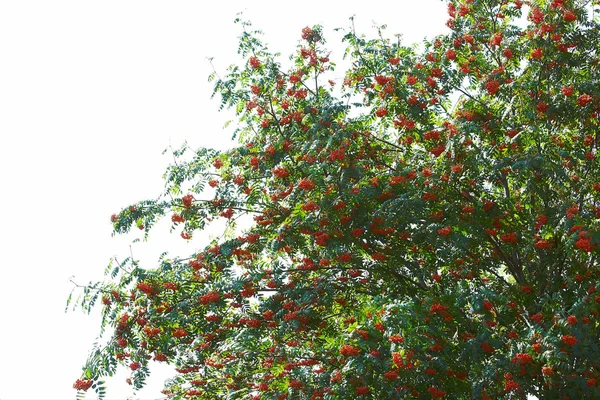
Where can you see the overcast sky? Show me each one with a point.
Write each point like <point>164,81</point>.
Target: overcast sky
<point>91,92</point>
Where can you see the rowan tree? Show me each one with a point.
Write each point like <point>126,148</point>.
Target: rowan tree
<point>428,227</point>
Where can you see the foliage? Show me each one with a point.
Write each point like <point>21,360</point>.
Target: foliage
<point>430,229</point>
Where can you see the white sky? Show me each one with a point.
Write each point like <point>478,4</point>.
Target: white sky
<point>90,95</point>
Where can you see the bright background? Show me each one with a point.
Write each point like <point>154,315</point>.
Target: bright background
<point>90,95</point>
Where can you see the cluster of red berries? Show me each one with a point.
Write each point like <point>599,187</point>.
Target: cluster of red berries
<point>306,184</point>
<point>522,359</point>
<point>81,384</point>
<point>569,340</point>
<point>210,297</point>
<point>349,351</point>
<point>179,333</point>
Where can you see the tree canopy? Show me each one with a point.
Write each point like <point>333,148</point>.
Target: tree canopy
<point>426,227</point>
